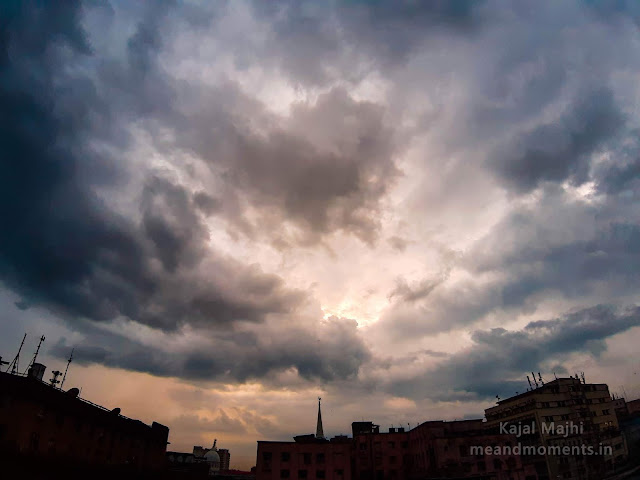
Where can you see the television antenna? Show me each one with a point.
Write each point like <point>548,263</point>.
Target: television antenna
<point>64,377</point>
<point>13,366</point>
<point>35,355</point>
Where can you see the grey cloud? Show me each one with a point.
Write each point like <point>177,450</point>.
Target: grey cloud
<point>498,360</point>
<point>398,243</point>
<point>561,150</point>
<point>332,351</point>
<point>326,169</point>
<point>555,247</point>
<point>316,43</point>
<point>66,248</point>
<point>407,293</point>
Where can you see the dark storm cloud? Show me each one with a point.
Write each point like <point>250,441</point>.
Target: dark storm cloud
<point>316,43</point>
<point>332,351</point>
<point>499,359</point>
<point>561,150</point>
<point>62,246</point>
<point>578,246</point>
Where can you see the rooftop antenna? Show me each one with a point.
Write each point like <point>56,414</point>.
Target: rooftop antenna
<point>2,362</point>
<point>54,380</point>
<point>14,363</point>
<point>555,376</point>
<point>540,378</point>
<point>35,355</point>
<point>529,380</point>
<point>584,382</point>
<point>64,377</point>
<point>534,379</point>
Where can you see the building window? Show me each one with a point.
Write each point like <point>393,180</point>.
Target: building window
<point>482,467</point>
<point>339,472</point>
<point>405,444</point>
<point>302,474</point>
<point>266,456</point>
<point>319,473</point>
<point>285,456</point>
<point>284,473</point>
<point>306,458</point>
<point>545,404</point>
<point>605,412</point>
<point>392,444</point>
<point>497,464</point>
<point>320,458</point>
<point>463,451</point>
<point>363,446</point>
<point>564,417</point>
<point>548,418</point>
<point>393,459</point>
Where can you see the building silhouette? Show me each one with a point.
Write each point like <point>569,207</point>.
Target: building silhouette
<point>581,414</point>
<point>430,450</point>
<point>40,424</point>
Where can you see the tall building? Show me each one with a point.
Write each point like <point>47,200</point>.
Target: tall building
<point>565,415</point>
<point>225,458</point>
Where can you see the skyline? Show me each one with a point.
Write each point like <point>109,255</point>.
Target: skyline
<point>230,209</point>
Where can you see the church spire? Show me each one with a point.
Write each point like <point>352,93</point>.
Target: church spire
<point>319,432</point>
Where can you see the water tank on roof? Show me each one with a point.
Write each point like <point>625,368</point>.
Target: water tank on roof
<point>36,371</point>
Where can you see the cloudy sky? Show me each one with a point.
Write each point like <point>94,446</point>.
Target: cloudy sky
<point>231,208</point>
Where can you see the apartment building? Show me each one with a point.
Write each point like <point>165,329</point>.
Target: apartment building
<point>564,415</point>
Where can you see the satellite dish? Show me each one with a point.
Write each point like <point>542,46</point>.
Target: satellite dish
<point>116,411</point>
<point>74,392</point>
